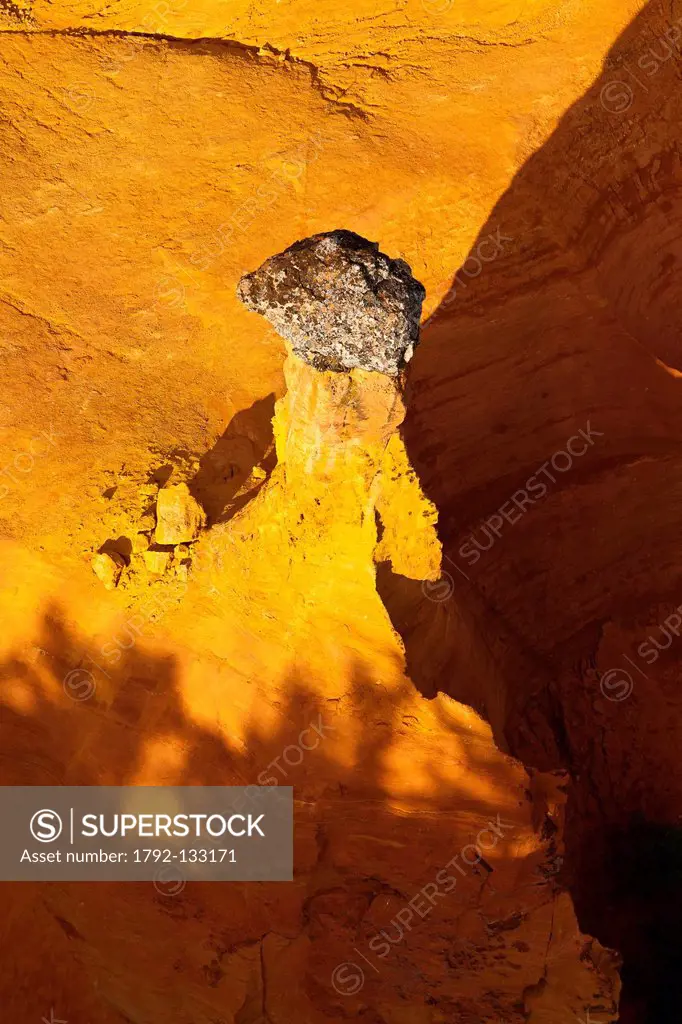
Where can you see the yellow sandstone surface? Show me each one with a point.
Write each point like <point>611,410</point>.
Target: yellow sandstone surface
<point>150,156</point>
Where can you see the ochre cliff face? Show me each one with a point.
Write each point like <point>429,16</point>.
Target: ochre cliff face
<point>292,674</point>
<point>150,158</point>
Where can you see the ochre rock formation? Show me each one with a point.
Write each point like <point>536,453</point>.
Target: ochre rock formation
<point>150,159</point>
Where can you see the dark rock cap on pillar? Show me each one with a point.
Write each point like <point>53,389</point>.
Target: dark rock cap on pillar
<point>340,302</point>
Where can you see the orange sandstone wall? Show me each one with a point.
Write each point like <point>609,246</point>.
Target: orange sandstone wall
<point>151,155</point>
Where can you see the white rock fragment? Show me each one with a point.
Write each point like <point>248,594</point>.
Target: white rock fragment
<point>108,568</point>
<point>140,542</point>
<point>157,562</point>
<point>179,517</point>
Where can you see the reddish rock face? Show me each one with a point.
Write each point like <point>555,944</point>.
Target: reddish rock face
<point>569,547</point>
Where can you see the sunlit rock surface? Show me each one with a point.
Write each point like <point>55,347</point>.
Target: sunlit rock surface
<point>349,575</point>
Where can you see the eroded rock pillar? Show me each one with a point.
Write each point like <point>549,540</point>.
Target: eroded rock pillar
<point>350,317</point>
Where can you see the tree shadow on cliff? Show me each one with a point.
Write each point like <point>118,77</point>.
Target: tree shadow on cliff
<point>565,310</point>
<point>74,715</point>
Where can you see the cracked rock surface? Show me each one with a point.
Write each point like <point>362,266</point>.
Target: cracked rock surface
<point>340,302</point>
